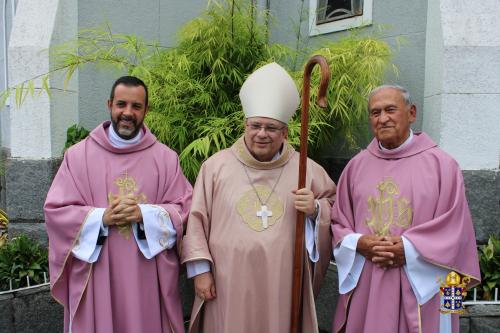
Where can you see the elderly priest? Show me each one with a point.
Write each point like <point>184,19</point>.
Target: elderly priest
<point>401,226</point>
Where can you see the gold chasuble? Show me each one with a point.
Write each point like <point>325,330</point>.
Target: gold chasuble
<point>242,220</point>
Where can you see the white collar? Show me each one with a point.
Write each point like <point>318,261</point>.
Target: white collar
<point>278,153</point>
<point>407,142</point>
<point>118,142</point>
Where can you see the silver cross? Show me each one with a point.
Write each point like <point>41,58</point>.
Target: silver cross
<point>263,213</point>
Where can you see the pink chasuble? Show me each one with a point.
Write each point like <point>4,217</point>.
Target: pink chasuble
<point>417,192</point>
<point>122,291</point>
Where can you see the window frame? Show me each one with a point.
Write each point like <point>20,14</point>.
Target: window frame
<point>339,25</point>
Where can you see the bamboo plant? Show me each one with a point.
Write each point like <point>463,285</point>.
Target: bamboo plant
<point>193,87</point>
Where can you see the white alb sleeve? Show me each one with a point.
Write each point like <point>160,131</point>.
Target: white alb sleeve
<point>349,262</point>
<point>159,230</point>
<point>423,276</point>
<point>197,267</point>
<point>424,280</point>
<point>86,248</point>
<point>312,234</point>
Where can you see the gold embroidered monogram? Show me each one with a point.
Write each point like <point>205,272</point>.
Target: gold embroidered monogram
<point>249,207</point>
<point>382,209</point>
<point>127,186</point>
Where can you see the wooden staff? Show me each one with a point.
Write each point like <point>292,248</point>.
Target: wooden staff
<point>298,260</point>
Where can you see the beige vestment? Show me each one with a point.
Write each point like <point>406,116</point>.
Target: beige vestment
<point>252,265</point>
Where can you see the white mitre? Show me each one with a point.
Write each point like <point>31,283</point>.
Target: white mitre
<point>270,92</point>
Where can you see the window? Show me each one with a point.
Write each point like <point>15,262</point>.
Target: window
<point>335,15</point>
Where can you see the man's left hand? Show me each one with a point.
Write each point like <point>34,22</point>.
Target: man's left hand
<point>397,249</point>
<point>304,201</point>
<point>127,211</point>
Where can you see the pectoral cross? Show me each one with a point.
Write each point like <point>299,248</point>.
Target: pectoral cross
<point>263,213</point>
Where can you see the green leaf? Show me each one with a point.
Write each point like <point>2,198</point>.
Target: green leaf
<point>194,86</point>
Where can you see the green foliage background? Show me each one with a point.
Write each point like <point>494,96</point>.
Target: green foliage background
<point>489,261</point>
<point>194,104</point>
<point>75,134</point>
<point>22,257</point>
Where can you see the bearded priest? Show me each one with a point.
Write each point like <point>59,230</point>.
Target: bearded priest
<point>115,215</point>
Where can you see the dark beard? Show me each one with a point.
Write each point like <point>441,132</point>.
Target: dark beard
<point>131,135</point>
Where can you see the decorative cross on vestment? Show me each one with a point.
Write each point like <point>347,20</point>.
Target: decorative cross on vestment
<point>127,187</point>
<point>263,213</point>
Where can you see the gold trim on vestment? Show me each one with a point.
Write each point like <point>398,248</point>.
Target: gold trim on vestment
<point>478,280</point>
<point>419,319</point>
<point>68,254</point>
<point>178,241</point>
<point>81,295</point>
<point>249,204</point>
<point>242,153</point>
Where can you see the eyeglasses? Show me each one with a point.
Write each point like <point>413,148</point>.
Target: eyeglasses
<point>255,127</point>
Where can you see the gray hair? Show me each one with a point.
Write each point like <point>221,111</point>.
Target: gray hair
<point>404,92</point>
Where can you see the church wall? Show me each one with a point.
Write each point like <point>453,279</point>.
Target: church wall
<point>462,81</point>
<point>462,94</point>
<point>31,125</point>
<point>5,112</point>
<point>458,107</point>
<point>152,20</point>
<point>404,20</point>
<point>38,127</point>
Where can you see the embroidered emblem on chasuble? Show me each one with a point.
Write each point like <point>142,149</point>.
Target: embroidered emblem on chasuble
<point>162,217</point>
<point>249,206</point>
<point>127,186</point>
<point>388,209</point>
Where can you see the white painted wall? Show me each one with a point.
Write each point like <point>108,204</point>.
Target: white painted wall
<point>5,27</point>
<point>37,26</point>
<point>152,20</point>
<point>462,80</point>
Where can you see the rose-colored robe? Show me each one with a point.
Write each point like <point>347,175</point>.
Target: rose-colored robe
<point>419,192</point>
<point>122,291</point>
<point>252,266</point>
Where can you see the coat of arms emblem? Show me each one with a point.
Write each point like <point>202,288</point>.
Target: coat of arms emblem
<point>453,293</point>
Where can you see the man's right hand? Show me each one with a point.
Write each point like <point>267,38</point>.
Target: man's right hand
<point>108,217</point>
<point>122,211</point>
<point>204,286</point>
<point>366,245</point>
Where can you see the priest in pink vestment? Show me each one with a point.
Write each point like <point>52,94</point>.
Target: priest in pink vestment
<point>239,242</point>
<point>400,224</point>
<point>114,216</point>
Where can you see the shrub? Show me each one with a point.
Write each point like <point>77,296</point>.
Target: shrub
<point>22,257</point>
<point>75,134</point>
<point>489,262</point>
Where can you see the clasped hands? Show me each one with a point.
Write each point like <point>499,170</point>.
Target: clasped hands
<point>384,251</point>
<point>122,211</point>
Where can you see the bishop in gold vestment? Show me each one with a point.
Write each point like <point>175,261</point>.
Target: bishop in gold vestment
<point>242,220</point>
